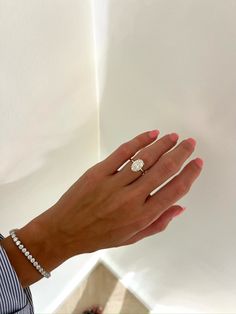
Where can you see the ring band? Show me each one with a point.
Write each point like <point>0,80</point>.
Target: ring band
<point>137,165</point>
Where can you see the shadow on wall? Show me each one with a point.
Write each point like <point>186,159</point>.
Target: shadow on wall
<point>63,165</point>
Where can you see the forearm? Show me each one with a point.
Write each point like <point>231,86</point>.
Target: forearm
<point>43,246</point>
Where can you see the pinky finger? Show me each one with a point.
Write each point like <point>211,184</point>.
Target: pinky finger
<point>157,226</point>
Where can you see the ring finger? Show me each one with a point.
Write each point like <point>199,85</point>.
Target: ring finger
<point>149,155</point>
<point>167,166</point>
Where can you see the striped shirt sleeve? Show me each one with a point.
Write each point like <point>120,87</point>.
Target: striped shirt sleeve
<point>13,297</point>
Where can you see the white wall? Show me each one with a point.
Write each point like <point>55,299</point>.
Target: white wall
<point>160,64</point>
<point>48,113</point>
<point>171,65</point>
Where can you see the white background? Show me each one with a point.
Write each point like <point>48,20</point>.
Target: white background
<point>49,116</point>
<point>166,64</point>
<point>170,64</point>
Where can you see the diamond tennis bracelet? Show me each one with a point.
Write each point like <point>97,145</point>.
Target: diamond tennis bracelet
<point>27,254</point>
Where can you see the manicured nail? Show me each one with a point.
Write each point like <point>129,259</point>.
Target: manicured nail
<point>179,211</point>
<point>174,136</point>
<point>199,162</point>
<point>191,141</point>
<point>154,133</point>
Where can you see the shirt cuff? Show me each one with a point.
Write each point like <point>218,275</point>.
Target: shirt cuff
<point>13,297</point>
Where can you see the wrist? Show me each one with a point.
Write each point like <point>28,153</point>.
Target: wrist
<point>44,241</point>
<point>26,273</point>
<point>38,238</point>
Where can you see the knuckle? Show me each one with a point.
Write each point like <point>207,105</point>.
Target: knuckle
<point>138,141</point>
<point>187,146</point>
<point>125,149</point>
<point>181,188</point>
<point>162,227</point>
<point>170,165</point>
<point>146,157</point>
<point>167,140</point>
<point>134,195</point>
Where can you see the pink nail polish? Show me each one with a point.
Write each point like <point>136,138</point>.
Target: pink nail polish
<point>174,136</point>
<point>199,162</point>
<point>191,141</point>
<point>154,133</point>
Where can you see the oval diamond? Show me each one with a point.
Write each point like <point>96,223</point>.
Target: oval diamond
<point>137,165</point>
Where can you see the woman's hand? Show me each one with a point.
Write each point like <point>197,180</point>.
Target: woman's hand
<point>110,208</point>
<point>109,205</point>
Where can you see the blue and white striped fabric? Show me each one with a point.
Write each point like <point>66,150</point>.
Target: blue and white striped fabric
<point>13,297</point>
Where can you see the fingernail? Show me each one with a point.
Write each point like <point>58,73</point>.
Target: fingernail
<point>192,141</point>
<point>180,211</point>
<point>154,133</point>
<point>199,162</point>
<point>174,136</point>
